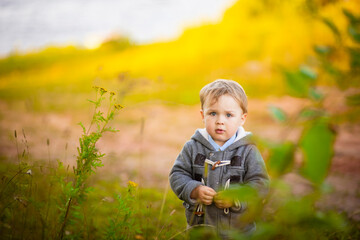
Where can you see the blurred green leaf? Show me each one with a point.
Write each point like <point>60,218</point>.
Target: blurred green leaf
<point>317,145</point>
<point>300,81</point>
<point>355,57</point>
<point>354,33</point>
<point>310,113</point>
<point>316,94</point>
<point>281,158</point>
<point>308,72</point>
<point>296,84</point>
<point>353,100</point>
<point>352,19</point>
<point>243,193</point>
<point>332,27</point>
<point>323,50</point>
<point>354,25</point>
<point>277,113</point>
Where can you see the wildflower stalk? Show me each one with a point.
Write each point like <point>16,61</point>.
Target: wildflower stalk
<point>89,157</point>
<point>17,148</point>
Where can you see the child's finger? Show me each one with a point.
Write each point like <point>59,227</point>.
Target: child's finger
<point>208,198</point>
<point>219,205</point>
<point>211,192</point>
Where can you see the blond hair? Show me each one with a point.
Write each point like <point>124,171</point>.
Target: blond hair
<point>221,87</point>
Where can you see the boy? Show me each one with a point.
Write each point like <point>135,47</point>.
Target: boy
<point>217,156</point>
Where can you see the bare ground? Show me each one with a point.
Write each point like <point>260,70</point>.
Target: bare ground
<point>151,136</point>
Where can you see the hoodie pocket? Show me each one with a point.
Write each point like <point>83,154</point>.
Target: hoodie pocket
<point>235,174</point>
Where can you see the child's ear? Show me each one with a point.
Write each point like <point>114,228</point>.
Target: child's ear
<point>202,114</point>
<point>243,118</point>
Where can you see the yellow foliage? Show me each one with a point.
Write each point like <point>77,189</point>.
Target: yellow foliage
<point>248,45</point>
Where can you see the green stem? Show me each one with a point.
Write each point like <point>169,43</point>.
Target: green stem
<point>61,234</point>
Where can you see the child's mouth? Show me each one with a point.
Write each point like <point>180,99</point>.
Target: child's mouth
<point>219,131</point>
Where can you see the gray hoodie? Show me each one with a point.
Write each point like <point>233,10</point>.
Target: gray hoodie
<point>243,164</point>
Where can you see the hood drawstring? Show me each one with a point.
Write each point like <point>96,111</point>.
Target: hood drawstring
<point>199,209</point>
<point>227,185</point>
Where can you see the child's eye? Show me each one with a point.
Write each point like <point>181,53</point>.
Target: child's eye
<point>229,115</point>
<point>212,113</point>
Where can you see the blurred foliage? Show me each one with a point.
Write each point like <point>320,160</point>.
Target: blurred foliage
<point>300,48</point>
<point>283,214</point>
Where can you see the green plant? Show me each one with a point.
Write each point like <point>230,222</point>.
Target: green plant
<point>124,225</point>
<point>88,159</point>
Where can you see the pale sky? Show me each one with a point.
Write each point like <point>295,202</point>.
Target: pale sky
<point>26,25</point>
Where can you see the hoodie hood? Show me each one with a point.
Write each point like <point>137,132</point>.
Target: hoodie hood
<point>243,138</point>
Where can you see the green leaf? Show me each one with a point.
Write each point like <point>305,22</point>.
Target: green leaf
<point>295,84</point>
<point>277,113</point>
<point>316,94</point>
<point>351,18</point>
<point>310,114</point>
<point>308,72</point>
<point>353,100</point>
<point>242,192</point>
<point>354,33</point>
<point>317,146</point>
<point>332,27</point>
<point>92,101</point>
<point>355,57</point>
<point>323,50</point>
<point>300,81</point>
<point>83,127</point>
<point>354,25</point>
<point>281,158</point>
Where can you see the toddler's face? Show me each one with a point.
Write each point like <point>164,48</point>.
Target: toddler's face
<point>222,118</point>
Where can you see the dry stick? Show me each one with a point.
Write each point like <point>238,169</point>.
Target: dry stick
<point>17,148</point>
<point>48,147</point>
<point>51,183</point>
<point>26,208</point>
<point>26,143</point>
<point>61,234</point>
<point>65,158</point>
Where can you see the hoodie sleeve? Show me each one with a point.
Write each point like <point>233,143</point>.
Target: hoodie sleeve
<point>181,180</point>
<point>256,175</point>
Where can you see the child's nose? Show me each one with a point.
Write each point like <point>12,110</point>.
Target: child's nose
<point>220,120</point>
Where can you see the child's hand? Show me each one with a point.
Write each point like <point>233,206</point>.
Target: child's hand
<point>203,194</point>
<point>222,202</point>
